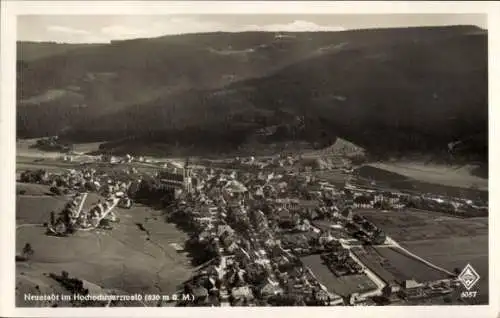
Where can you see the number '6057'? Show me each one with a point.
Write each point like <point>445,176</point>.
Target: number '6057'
<point>468,294</point>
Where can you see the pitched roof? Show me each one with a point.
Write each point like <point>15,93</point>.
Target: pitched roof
<point>242,292</point>
<point>200,291</point>
<point>235,186</point>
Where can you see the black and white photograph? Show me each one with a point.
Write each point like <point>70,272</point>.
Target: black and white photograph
<point>251,160</point>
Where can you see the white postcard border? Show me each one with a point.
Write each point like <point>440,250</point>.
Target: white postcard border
<point>10,9</point>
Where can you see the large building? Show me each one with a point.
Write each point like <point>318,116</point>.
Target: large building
<point>177,179</point>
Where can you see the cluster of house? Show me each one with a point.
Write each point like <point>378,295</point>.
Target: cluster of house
<point>271,162</point>
<point>52,144</point>
<point>65,223</point>
<point>363,197</point>
<point>74,217</point>
<point>263,225</point>
<point>71,156</point>
<point>84,180</point>
<point>80,182</point>
<point>375,199</point>
<point>289,162</point>
<point>455,206</point>
<point>116,159</point>
<point>70,179</point>
<point>258,227</point>
<point>239,222</point>
<point>365,231</point>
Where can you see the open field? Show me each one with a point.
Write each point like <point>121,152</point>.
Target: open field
<point>412,225</point>
<point>438,174</point>
<point>404,267</point>
<point>124,258</point>
<point>36,209</point>
<point>31,189</point>
<point>334,176</point>
<point>387,180</point>
<point>457,253</point>
<point>343,286</point>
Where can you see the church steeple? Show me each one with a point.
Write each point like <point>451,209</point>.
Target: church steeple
<point>187,175</point>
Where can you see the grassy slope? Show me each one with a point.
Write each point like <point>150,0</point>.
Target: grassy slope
<point>119,259</point>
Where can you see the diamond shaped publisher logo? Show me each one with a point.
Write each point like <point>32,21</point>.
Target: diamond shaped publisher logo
<point>468,277</point>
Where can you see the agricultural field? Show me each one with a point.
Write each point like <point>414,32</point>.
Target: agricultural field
<point>413,225</point>
<point>462,177</point>
<point>404,267</point>
<point>435,181</point>
<point>445,241</point>
<point>334,176</point>
<point>36,209</point>
<point>31,189</point>
<point>344,285</point>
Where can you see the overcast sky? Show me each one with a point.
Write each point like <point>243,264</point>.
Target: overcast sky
<point>103,28</point>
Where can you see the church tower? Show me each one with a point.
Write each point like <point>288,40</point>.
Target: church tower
<point>188,184</point>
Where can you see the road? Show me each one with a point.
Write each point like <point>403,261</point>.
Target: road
<point>80,207</point>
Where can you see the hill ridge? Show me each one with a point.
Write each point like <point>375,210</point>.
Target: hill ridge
<point>385,89</point>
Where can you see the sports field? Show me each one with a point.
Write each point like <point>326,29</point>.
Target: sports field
<point>343,286</point>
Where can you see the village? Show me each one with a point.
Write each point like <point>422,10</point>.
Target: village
<point>264,234</point>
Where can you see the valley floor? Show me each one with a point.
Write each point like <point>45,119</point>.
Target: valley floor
<point>437,174</point>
